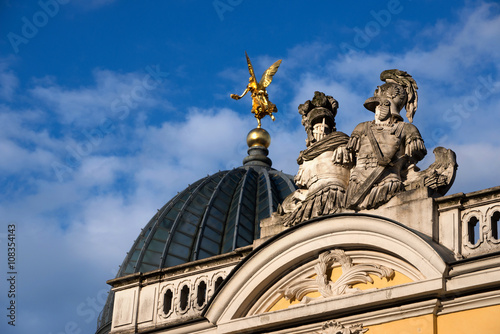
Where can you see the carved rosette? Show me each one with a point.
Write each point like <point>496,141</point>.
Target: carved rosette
<point>351,274</point>
<point>333,327</point>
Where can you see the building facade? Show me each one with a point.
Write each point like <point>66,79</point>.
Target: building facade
<point>362,242</point>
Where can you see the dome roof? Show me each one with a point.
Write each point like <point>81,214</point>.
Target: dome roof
<point>213,216</point>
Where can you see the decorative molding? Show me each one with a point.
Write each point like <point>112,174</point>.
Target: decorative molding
<point>373,318</point>
<point>161,301</point>
<point>305,270</point>
<point>489,215</point>
<point>211,287</point>
<point>466,217</point>
<point>192,283</point>
<point>254,287</point>
<point>333,327</point>
<point>390,314</point>
<point>177,299</point>
<point>486,242</point>
<point>351,274</point>
<point>465,303</point>
<point>194,293</point>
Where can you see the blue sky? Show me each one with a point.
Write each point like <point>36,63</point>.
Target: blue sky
<point>108,108</point>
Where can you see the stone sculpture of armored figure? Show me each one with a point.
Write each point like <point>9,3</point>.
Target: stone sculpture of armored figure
<point>382,152</point>
<point>338,173</point>
<point>322,184</point>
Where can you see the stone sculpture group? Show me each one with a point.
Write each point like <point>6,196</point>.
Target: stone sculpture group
<point>365,170</point>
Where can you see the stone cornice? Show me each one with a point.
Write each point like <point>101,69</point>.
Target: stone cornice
<point>185,269</point>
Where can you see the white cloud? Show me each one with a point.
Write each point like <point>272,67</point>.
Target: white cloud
<point>455,104</point>
<point>16,158</point>
<point>285,147</point>
<point>180,152</point>
<point>8,79</point>
<point>8,85</point>
<point>350,110</point>
<point>113,96</point>
<point>90,220</point>
<point>99,222</point>
<point>23,146</point>
<point>106,227</point>
<point>466,46</point>
<point>478,167</point>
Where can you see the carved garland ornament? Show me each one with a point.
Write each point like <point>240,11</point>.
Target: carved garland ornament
<point>351,274</point>
<point>333,327</point>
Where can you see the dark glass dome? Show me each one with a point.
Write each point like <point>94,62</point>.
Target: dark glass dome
<point>212,216</point>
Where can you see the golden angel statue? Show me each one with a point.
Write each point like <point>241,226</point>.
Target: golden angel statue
<point>261,106</point>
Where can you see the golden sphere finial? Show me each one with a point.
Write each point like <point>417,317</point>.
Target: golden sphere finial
<point>258,137</point>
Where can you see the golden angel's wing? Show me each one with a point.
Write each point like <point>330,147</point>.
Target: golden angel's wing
<point>267,77</point>
<point>250,67</point>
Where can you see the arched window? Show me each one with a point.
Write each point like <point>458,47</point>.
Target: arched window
<point>495,225</point>
<point>184,298</point>
<point>473,229</point>
<point>218,282</point>
<point>201,294</point>
<point>167,301</point>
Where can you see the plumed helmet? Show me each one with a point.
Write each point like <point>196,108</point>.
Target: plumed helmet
<point>400,90</point>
